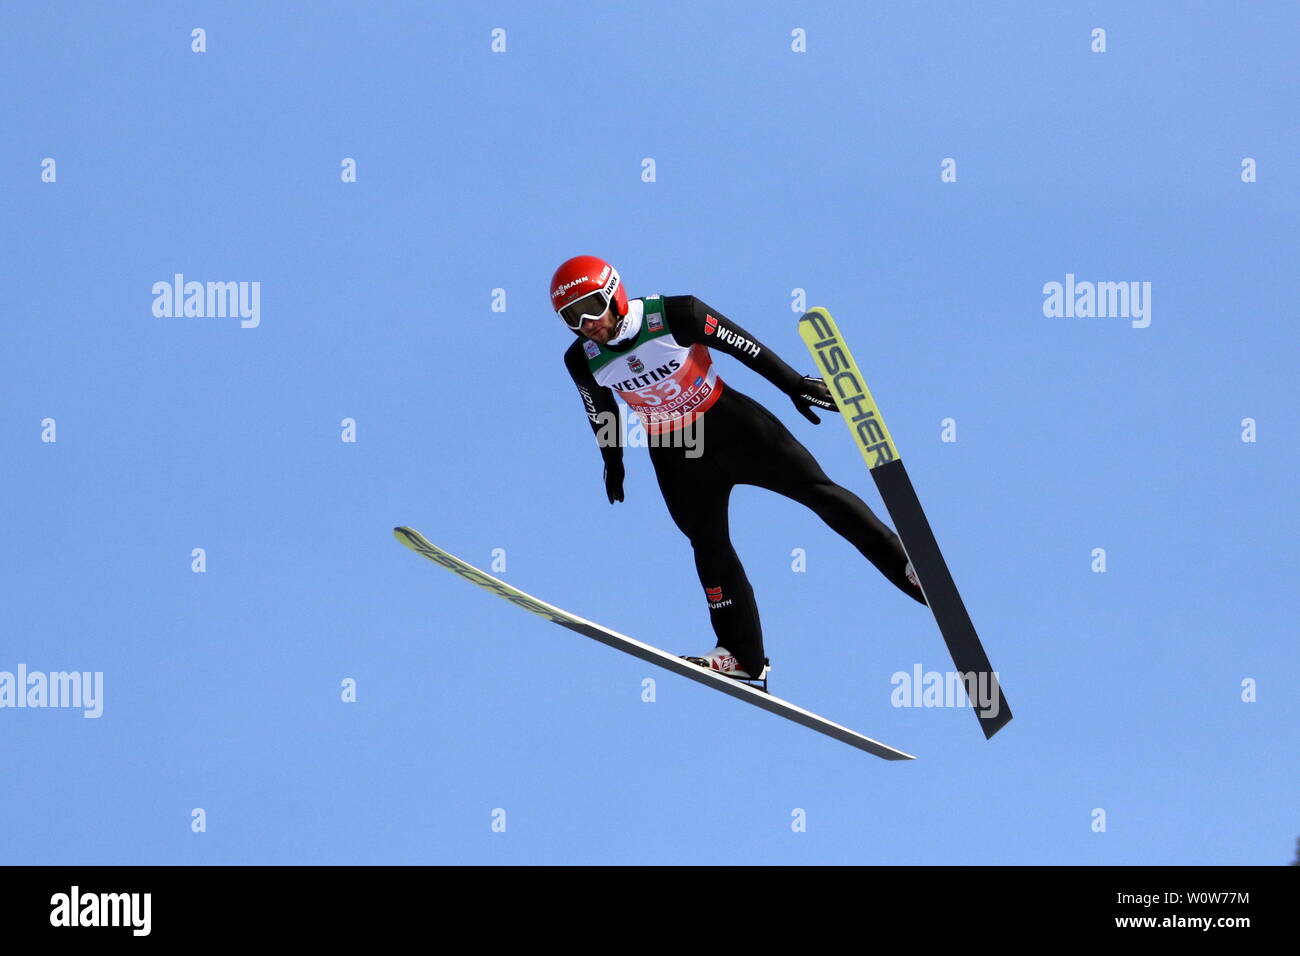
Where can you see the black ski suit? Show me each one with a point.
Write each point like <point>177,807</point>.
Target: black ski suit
<point>743,444</point>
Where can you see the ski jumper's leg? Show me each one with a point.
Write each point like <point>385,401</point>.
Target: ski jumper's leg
<point>697,491</point>
<point>783,465</point>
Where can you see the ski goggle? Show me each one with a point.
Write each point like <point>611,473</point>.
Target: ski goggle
<point>590,306</point>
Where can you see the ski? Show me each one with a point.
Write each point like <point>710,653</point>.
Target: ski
<point>872,438</point>
<point>734,688</point>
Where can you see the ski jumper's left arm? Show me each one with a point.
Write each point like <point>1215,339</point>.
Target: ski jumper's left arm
<point>693,322</point>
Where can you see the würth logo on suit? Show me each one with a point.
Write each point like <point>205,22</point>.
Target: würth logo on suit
<point>711,327</point>
<point>715,598</point>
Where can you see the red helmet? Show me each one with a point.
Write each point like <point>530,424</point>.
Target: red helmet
<point>583,288</point>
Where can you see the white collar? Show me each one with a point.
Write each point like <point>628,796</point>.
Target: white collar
<point>631,324</point>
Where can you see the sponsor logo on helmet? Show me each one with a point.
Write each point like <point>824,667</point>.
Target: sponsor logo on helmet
<point>604,274</point>
<point>566,286</point>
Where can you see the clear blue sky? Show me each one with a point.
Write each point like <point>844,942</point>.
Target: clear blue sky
<point>776,170</point>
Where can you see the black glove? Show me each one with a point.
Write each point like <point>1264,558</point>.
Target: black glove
<point>813,392</point>
<point>614,482</point>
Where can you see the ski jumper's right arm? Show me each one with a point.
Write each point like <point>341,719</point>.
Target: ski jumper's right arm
<point>602,415</point>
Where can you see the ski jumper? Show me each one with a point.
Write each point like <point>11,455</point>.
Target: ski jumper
<point>662,368</point>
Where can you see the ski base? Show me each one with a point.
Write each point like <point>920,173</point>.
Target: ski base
<point>871,437</point>
<point>646,652</point>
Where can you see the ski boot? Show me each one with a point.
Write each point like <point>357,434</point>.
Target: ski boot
<point>722,661</point>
